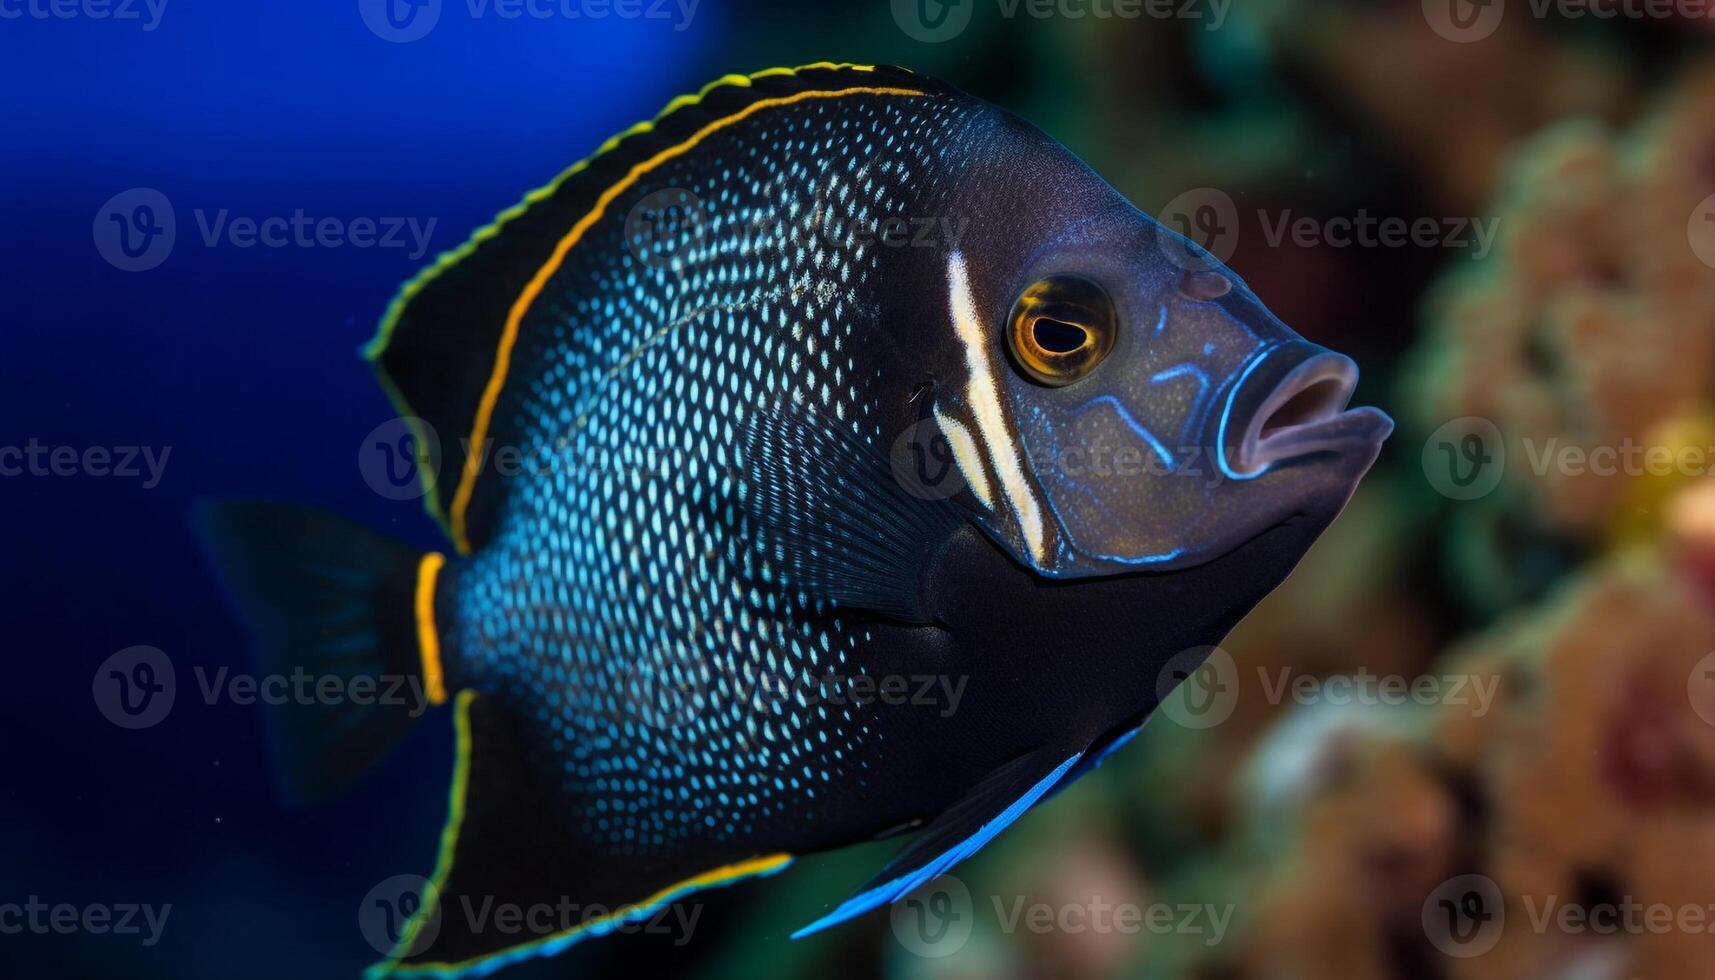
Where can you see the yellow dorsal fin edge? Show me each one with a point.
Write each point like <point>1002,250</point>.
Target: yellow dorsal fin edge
<point>415,284</point>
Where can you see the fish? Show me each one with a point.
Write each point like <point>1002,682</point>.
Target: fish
<point>833,457</point>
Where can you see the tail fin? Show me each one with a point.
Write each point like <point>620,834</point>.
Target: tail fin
<point>328,598</point>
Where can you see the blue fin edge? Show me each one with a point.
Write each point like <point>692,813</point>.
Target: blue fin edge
<point>892,891</point>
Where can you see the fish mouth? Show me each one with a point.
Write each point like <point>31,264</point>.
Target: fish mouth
<point>1306,413</point>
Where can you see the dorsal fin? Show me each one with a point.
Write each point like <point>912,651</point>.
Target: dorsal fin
<point>443,349</point>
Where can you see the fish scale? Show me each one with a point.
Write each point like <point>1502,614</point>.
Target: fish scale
<point>628,452</point>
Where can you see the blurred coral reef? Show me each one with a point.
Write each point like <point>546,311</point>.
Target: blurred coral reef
<point>1594,324</point>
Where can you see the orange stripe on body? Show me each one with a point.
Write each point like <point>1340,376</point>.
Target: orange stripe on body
<point>508,337</point>
<point>428,638</point>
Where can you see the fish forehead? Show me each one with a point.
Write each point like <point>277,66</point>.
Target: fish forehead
<point>644,630</point>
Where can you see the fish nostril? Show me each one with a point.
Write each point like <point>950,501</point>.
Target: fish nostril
<point>1204,286</point>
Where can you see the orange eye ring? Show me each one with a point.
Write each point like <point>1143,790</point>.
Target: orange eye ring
<point>1060,329</point>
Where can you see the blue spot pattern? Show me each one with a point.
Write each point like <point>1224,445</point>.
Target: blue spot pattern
<point>624,607</point>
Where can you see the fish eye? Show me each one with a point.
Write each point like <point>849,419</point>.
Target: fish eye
<point>1060,329</point>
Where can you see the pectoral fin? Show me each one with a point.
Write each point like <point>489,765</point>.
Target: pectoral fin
<point>833,519</point>
<point>961,831</point>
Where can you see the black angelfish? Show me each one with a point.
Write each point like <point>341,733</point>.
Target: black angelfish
<point>825,381</point>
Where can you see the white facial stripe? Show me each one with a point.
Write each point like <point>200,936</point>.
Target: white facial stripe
<point>966,455</point>
<point>984,397</point>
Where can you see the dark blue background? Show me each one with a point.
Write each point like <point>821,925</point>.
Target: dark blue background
<point>244,362</point>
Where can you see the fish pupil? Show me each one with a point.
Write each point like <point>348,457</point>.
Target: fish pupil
<point>1058,336</point>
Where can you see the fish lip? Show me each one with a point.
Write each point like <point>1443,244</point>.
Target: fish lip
<point>1329,425</point>
<point>1351,429</point>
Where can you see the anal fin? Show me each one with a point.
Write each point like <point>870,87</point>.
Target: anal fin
<point>993,805</point>
<point>506,846</point>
